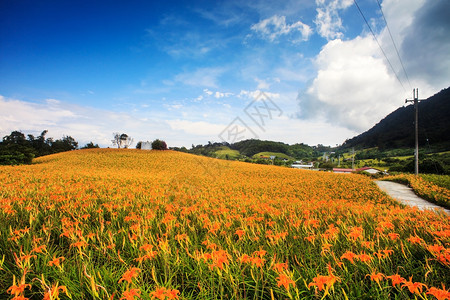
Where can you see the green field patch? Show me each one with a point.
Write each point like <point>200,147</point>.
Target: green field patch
<point>227,153</point>
<point>269,154</point>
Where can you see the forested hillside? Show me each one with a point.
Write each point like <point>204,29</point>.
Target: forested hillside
<point>396,130</point>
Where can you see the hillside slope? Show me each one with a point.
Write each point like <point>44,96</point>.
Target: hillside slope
<point>115,223</point>
<point>396,130</point>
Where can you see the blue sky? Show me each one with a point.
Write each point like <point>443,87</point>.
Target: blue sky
<point>187,71</point>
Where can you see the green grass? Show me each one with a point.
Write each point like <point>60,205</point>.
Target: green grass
<point>402,157</point>
<point>439,180</point>
<point>226,152</point>
<point>268,154</point>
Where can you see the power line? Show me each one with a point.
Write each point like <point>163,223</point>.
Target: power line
<point>395,46</point>
<point>374,36</point>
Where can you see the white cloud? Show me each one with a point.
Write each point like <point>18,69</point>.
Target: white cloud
<point>257,93</point>
<point>311,132</point>
<point>199,98</point>
<point>203,77</point>
<point>262,84</point>
<point>328,21</point>
<point>175,106</point>
<point>274,27</point>
<point>85,124</point>
<point>400,15</point>
<point>219,95</point>
<point>207,92</point>
<point>353,87</point>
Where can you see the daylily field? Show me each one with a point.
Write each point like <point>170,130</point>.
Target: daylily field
<point>135,224</point>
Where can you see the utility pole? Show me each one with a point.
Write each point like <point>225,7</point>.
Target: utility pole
<point>353,158</point>
<point>416,101</point>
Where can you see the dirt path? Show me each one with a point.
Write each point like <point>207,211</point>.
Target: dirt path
<point>405,195</point>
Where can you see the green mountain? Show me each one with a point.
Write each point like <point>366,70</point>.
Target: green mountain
<point>396,130</point>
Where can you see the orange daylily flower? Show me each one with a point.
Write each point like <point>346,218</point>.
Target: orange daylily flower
<point>56,261</point>
<point>240,233</point>
<point>439,294</point>
<point>18,289</point>
<point>394,236</point>
<point>285,281</point>
<point>129,275</point>
<point>349,256</point>
<point>396,279</point>
<point>364,257</point>
<point>130,294</point>
<point>414,240</point>
<point>414,287</point>
<point>377,277</point>
<point>161,293</point>
<point>321,281</point>
<point>280,267</point>
<point>54,292</point>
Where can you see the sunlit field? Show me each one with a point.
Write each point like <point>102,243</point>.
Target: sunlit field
<point>129,224</point>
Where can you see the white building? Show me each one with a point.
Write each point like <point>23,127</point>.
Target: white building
<point>300,166</point>
<point>146,146</point>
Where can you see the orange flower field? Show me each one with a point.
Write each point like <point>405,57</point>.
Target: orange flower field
<point>135,224</point>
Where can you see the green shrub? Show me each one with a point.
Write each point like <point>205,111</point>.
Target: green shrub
<point>159,145</point>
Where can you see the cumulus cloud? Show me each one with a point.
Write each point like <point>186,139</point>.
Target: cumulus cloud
<point>355,86</point>
<point>274,27</point>
<point>328,21</point>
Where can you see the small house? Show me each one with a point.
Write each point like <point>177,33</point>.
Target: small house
<point>302,166</point>
<point>369,170</point>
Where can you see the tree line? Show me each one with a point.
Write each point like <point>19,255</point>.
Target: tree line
<point>250,147</point>
<point>17,148</point>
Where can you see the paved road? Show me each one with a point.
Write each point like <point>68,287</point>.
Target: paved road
<point>405,195</point>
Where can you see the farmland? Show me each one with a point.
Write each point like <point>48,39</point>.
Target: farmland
<point>129,224</point>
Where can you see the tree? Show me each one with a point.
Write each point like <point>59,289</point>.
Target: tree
<point>90,145</point>
<point>15,150</point>
<point>67,143</point>
<point>139,145</point>
<point>121,140</point>
<point>41,144</point>
<point>16,137</point>
<point>159,145</point>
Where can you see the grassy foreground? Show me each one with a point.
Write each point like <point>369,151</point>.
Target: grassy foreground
<point>129,224</point>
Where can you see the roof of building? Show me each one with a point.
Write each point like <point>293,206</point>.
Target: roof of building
<point>366,168</point>
<point>342,170</point>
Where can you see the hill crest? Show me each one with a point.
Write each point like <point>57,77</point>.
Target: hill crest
<point>396,130</point>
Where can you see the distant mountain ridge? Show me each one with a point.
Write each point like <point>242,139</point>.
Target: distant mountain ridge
<point>396,130</point>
